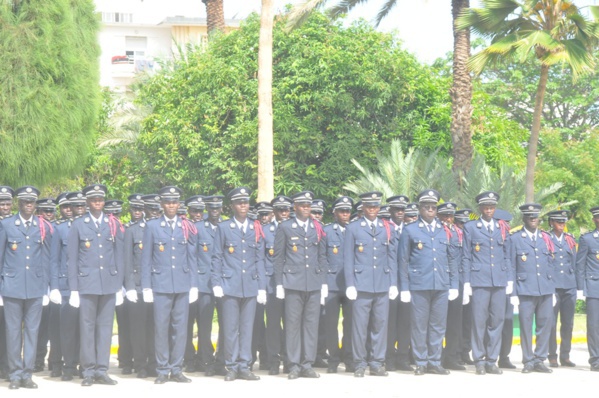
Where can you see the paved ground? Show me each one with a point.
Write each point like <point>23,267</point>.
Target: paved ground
<point>562,382</point>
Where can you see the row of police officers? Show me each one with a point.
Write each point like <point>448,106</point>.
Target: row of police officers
<point>405,277</point>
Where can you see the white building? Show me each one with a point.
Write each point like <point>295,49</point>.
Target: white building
<point>135,34</point>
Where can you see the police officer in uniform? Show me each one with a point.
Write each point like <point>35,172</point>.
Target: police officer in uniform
<point>238,280</point>
<point>336,300</point>
<point>274,308</point>
<point>565,288</point>
<point>531,256</point>
<point>487,278</point>
<point>369,254</point>
<point>399,312</point>
<point>587,282</point>
<point>169,280</point>
<point>300,273</point>
<point>460,218</point>
<point>94,261</point>
<point>59,285</point>
<point>411,213</point>
<point>140,316</point>
<point>428,277</point>
<point>6,196</point>
<point>24,250</point>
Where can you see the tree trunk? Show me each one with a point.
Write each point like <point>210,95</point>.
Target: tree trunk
<point>215,16</point>
<point>265,122</point>
<point>535,131</point>
<point>461,97</point>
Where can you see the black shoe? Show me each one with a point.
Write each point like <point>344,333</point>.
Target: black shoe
<point>390,366</point>
<point>105,379</point>
<point>594,368</point>
<point>420,370</point>
<point>528,368</point>
<point>505,363</point>
<point>209,371</point>
<point>553,363</point>
<point>466,359</point>
<point>39,367</point>
<point>309,373</point>
<point>405,367</point>
<point>493,369</point>
<point>66,377</point>
<point>293,374</point>
<point>453,366</point>
<point>152,372</point>
<point>28,383</point>
<point>127,370</point>
<point>286,369</point>
<point>359,372</point>
<point>320,363</point>
<point>263,365</point>
<point>14,385</point>
<point>381,371</point>
<point>274,370</point>
<point>87,381</point>
<point>350,368</point>
<point>190,368</point>
<point>541,368</point>
<point>437,370</point>
<point>56,373</point>
<point>180,378</point>
<point>481,370</point>
<point>567,362</point>
<point>142,374</point>
<point>332,369</point>
<point>231,375</point>
<point>161,379</point>
<point>247,375</point>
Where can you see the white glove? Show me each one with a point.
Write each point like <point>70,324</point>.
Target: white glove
<point>55,296</point>
<point>148,295</point>
<point>324,291</point>
<point>393,292</point>
<point>453,294</point>
<point>74,300</point>
<point>280,293</point>
<point>405,296</point>
<point>261,297</point>
<point>580,295</point>
<point>193,295</point>
<point>509,289</point>
<point>1,302</point>
<point>119,298</point>
<point>218,291</point>
<point>465,299</point>
<point>515,301</point>
<point>351,293</point>
<point>467,290</point>
<point>131,295</point>
<point>45,300</point>
<point>554,299</point>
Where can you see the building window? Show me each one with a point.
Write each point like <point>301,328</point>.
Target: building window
<point>117,17</point>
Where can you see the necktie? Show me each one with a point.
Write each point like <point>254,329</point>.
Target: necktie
<point>98,224</point>
<point>306,227</point>
<point>430,229</point>
<point>170,224</point>
<point>373,228</point>
<point>27,224</point>
<point>534,239</point>
<point>489,229</point>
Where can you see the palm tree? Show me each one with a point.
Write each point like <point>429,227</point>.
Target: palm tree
<point>461,90</point>
<point>215,16</point>
<point>548,31</point>
<point>265,118</point>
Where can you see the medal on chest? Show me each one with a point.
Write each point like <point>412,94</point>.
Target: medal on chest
<point>14,246</point>
<point>477,248</point>
<point>205,248</point>
<point>231,249</point>
<point>360,248</point>
<point>294,248</point>
<point>161,247</point>
<point>271,252</point>
<point>596,255</point>
<point>420,246</point>
<point>524,258</point>
<point>335,250</point>
<point>88,244</point>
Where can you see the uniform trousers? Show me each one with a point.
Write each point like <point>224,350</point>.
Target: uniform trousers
<point>507,333</point>
<point>428,319</point>
<point>43,336</point>
<point>369,322</point>
<point>565,307</point>
<point>22,325</point>
<point>205,315</point>
<point>453,332</point>
<point>125,351</point>
<point>392,324</point>
<point>55,356</point>
<point>593,330</point>
<point>333,303</point>
<point>170,331</point>
<point>69,336</point>
<point>190,349</point>
<point>238,322</point>
<point>141,327</point>
<point>3,359</point>
<point>539,308</point>
<point>302,314</point>
<point>488,315</point>
<point>96,317</point>
<point>259,351</point>
<point>275,337</point>
<point>466,330</point>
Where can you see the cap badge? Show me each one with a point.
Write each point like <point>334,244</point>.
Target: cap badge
<point>97,188</point>
<point>530,207</point>
<point>242,190</point>
<point>79,195</point>
<point>4,189</point>
<point>373,196</point>
<point>491,195</point>
<point>345,200</point>
<point>430,193</point>
<point>172,190</point>
<point>28,190</point>
<point>449,205</point>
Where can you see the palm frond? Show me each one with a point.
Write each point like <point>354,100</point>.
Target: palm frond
<point>300,13</point>
<point>384,11</point>
<point>343,7</point>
